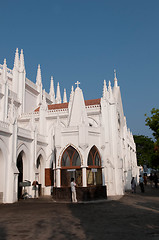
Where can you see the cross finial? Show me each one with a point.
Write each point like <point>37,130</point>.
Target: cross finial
<point>77,83</point>
<point>114,73</point>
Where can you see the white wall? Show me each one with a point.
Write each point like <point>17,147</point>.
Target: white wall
<point>30,101</point>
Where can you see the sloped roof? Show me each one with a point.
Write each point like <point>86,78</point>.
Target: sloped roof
<point>92,102</point>
<point>65,105</point>
<point>58,106</point>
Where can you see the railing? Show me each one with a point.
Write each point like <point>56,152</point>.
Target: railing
<point>57,110</point>
<point>25,115</point>
<point>93,106</point>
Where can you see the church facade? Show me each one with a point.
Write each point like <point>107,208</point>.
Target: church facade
<point>48,140</point>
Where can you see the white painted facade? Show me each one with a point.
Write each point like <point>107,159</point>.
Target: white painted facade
<point>37,127</point>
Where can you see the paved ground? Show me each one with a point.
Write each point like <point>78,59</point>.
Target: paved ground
<point>134,216</point>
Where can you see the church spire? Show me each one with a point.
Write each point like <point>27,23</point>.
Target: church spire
<point>4,72</point>
<point>52,91</point>
<point>21,62</point>
<point>77,112</point>
<point>16,59</point>
<point>111,97</point>
<point>58,94</point>
<point>115,79</point>
<point>104,90</point>
<point>64,96</point>
<point>39,85</point>
<point>38,76</point>
<point>71,94</point>
<point>44,104</point>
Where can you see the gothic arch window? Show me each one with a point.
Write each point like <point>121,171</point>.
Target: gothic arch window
<point>94,170</point>
<point>71,167</point>
<point>38,161</point>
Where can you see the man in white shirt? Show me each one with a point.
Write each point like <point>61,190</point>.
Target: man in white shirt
<point>73,190</point>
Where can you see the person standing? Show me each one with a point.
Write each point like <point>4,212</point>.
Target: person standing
<point>151,179</point>
<point>155,178</point>
<point>133,185</point>
<point>73,190</point>
<point>141,183</point>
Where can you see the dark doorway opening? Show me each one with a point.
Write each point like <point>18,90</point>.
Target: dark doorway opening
<point>20,177</point>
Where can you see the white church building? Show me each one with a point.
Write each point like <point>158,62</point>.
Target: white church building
<point>48,139</point>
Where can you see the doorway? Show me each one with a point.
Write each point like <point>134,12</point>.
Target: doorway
<point>20,176</point>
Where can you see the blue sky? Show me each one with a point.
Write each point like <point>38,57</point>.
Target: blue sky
<point>85,40</point>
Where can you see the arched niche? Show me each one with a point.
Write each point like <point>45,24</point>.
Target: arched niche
<point>20,160</point>
<point>94,170</point>
<point>40,165</point>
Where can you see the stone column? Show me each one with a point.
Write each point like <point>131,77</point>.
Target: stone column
<point>58,177</point>
<point>84,177</point>
<point>103,176</point>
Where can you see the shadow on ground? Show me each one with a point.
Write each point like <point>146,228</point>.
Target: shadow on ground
<point>134,216</point>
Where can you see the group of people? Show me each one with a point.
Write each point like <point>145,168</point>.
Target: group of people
<point>143,182</point>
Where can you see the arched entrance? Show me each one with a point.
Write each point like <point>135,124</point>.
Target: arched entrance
<point>71,167</point>
<point>40,178</point>
<point>94,170</point>
<point>20,169</point>
<point>1,177</point>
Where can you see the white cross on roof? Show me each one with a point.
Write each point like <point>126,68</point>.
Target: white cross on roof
<point>77,83</point>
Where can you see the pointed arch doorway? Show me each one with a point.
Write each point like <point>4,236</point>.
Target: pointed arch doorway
<point>20,176</point>
<point>40,178</point>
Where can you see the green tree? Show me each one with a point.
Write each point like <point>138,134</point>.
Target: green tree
<point>153,123</point>
<point>144,150</point>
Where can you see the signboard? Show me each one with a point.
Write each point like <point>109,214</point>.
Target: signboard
<point>25,184</point>
<point>94,169</point>
<point>71,170</point>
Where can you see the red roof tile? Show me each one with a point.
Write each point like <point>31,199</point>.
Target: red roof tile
<point>92,102</point>
<point>58,106</point>
<point>37,110</point>
<point>65,105</point>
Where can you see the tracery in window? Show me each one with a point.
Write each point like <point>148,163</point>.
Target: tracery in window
<point>94,170</point>
<point>71,167</point>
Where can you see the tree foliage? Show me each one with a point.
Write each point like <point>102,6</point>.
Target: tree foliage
<point>153,123</point>
<point>144,150</point>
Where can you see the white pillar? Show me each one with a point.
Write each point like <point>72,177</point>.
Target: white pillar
<point>103,176</point>
<point>15,190</point>
<point>84,176</point>
<point>58,177</point>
